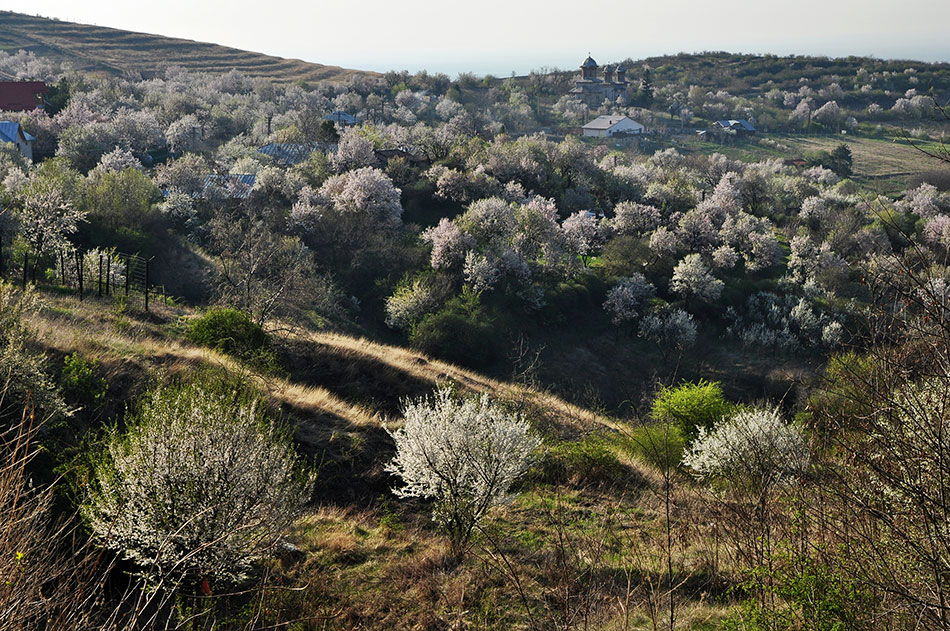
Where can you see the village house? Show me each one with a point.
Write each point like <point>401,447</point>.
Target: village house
<point>22,96</point>
<point>13,132</point>
<point>342,118</point>
<point>593,91</point>
<point>740,127</point>
<point>606,126</point>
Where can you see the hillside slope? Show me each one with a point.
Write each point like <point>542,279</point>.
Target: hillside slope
<point>113,51</point>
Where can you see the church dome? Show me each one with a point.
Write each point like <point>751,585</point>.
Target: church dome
<point>589,63</point>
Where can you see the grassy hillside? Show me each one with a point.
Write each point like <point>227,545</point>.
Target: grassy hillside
<point>113,51</point>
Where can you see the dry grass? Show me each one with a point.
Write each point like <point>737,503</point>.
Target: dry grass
<point>94,48</point>
<point>115,340</point>
<point>436,371</point>
<point>876,159</point>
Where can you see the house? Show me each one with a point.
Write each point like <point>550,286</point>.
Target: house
<point>606,126</point>
<point>735,127</point>
<point>593,90</point>
<point>342,118</point>
<point>291,153</point>
<point>230,186</point>
<point>414,158</point>
<point>13,132</point>
<point>20,96</point>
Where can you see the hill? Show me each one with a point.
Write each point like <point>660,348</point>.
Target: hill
<point>90,49</point>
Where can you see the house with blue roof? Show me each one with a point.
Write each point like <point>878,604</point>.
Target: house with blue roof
<point>14,133</point>
<point>289,153</point>
<point>230,186</point>
<point>739,127</point>
<point>342,118</point>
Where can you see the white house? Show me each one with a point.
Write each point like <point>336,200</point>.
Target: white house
<point>12,132</point>
<point>604,126</point>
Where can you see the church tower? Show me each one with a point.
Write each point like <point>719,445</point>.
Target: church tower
<point>589,69</point>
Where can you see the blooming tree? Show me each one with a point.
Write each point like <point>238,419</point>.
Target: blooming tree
<point>463,453</point>
<point>449,244</point>
<point>354,152</point>
<point>200,486</point>
<point>755,449</point>
<point>692,279</point>
<point>626,297</point>
<point>584,234</point>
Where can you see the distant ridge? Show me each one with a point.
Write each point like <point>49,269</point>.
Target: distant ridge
<point>117,52</point>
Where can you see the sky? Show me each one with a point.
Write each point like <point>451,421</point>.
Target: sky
<point>504,36</point>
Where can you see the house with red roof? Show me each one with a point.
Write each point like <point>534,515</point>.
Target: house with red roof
<point>22,95</point>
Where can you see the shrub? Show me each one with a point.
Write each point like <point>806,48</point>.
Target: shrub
<point>23,372</point>
<point>754,449</point>
<point>588,462</point>
<point>460,332</point>
<point>81,380</point>
<point>463,453</point>
<point>200,485</point>
<point>660,445</point>
<point>230,331</point>
<point>691,406</point>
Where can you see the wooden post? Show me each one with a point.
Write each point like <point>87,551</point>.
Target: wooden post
<point>127,270</point>
<point>79,271</point>
<point>26,265</point>
<point>99,292</point>
<point>62,269</point>
<point>147,279</point>
<point>1,255</point>
<point>108,272</point>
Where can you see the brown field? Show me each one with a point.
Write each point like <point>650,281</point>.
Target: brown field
<point>112,51</point>
<point>873,158</point>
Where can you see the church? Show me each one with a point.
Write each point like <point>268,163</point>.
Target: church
<point>592,90</point>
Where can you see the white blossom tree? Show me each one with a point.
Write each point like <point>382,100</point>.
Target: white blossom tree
<point>463,453</point>
<point>584,234</point>
<point>626,297</point>
<point>693,280</point>
<point>353,152</point>
<point>200,486</point>
<point>449,244</point>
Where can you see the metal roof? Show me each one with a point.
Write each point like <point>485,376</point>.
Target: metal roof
<point>606,122</point>
<point>235,186</point>
<point>733,123</point>
<point>589,63</point>
<point>342,117</point>
<point>10,130</point>
<point>290,153</point>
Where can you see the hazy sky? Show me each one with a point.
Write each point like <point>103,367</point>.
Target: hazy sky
<point>501,36</point>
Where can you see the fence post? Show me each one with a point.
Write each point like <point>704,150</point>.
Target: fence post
<point>1,255</point>
<point>127,269</point>
<point>147,278</point>
<point>108,272</point>
<point>99,292</point>
<point>62,269</point>
<point>26,264</point>
<point>80,263</point>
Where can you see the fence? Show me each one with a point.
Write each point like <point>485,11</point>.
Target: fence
<point>101,273</point>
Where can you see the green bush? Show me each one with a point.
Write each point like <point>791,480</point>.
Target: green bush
<point>660,445</point>
<point>588,462</point>
<point>234,333</point>
<point>813,594</point>
<point>229,331</point>
<point>460,332</point>
<point>81,381</point>
<point>691,406</point>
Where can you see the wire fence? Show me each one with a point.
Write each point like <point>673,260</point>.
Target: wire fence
<point>98,273</point>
